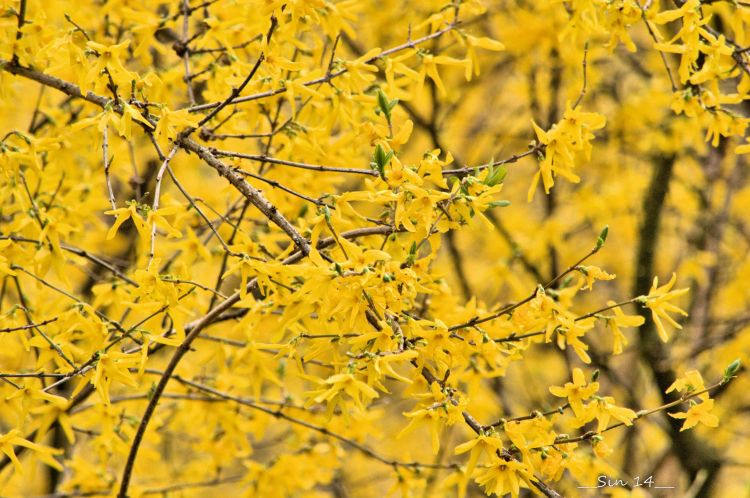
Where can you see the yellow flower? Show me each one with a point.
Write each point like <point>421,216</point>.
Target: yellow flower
<point>360,258</point>
<point>570,335</point>
<point>572,134</point>
<point>691,7</point>
<point>480,444</point>
<point>27,394</point>
<point>505,476</point>
<point>601,448</point>
<point>657,301</point>
<point>344,383</point>
<point>691,382</point>
<point>604,408</point>
<point>457,479</point>
<point>159,217</point>
<point>45,453</point>
<point>545,165</point>
<point>592,274</point>
<point>4,266</point>
<point>576,392</point>
<point>360,71</point>
<point>113,366</point>
<point>620,319</point>
<point>436,410</point>
<point>274,59</point>
<point>430,416</point>
<point>172,122</point>
<point>698,413</point>
<point>129,114</point>
<point>110,57</point>
<point>577,126</point>
<point>472,43</point>
<point>123,215</point>
<point>429,68</point>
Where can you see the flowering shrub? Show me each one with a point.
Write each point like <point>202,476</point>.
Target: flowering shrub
<point>351,248</point>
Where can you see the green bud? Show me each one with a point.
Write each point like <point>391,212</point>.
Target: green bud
<point>495,175</point>
<point>499,204</point>
<point>380,160</point>
<point>731,370</point>
<point>602,237</point>
<point>385,106</point>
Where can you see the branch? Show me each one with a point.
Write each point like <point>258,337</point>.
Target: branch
<point>250,192</point>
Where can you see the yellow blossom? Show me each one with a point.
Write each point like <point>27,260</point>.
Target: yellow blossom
<point>576,392</point>
<point>657,301</point>
<point>604,408</point>
<point>620,319</point>
<point>487,444</point>
<point>592,274</point>
<point>505,476</point>
<point>45,453</point>
<point>698,413</point>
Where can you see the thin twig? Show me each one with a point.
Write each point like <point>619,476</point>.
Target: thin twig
<point>29,326</point>
<point>107,163</point>
<point>585,80</point>
<point>157,193</point>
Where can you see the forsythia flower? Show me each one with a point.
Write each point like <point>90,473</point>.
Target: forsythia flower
<point>576,392</point>
<point>698,413</point>
<point>692,381</point>
<point>429,68</point>
<point>604,408</point>
<point>505,476</point>
<point>343,383</point>
<point>472,43</point>
<point>45,453</point>
<point>436,410</point>
<point>592,274</point>
<point>572,134</point>
<point>4,266</point>
<point>125,214</point>
<point>27,394</point>
<point>487,444</point>
<point>113,366</point>
<point>620,319</point>
<point>109,57</point>
<point>657,301</point>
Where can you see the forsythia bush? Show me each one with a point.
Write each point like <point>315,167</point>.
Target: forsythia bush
<point>308,248</point>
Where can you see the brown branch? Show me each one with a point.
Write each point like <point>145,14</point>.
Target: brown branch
<point>26,327</point>
<point>250,192</point>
